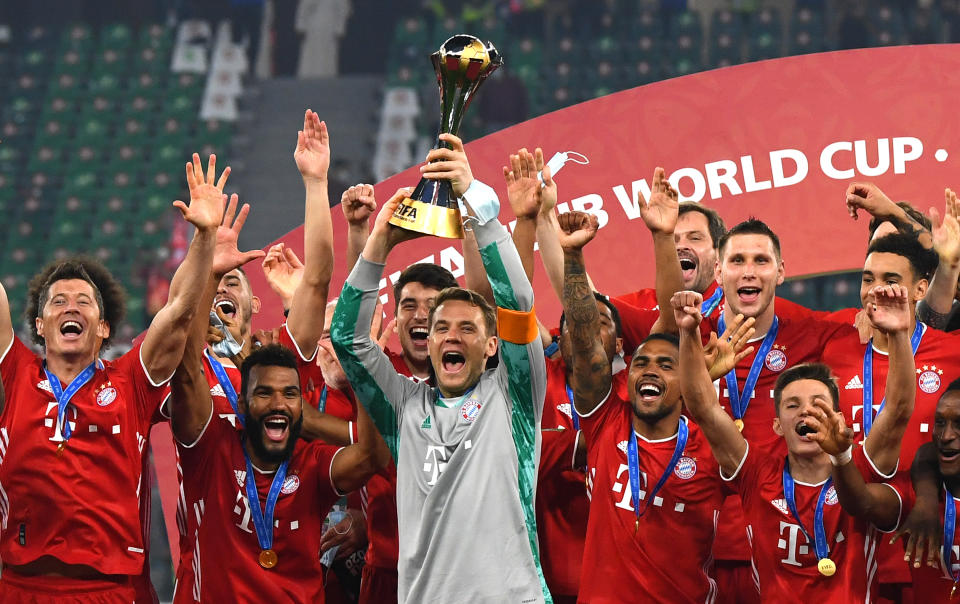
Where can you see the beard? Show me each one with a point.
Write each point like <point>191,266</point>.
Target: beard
<point>253,429</point>
<point>652,416</point>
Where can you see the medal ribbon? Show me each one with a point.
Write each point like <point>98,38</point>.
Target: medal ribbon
<point>819,533</point>
<point>263,520</point>
<point>573,410</point>
<point>739,401</point>
<point>322,405</point>
<point>949,526</point>
<point>711,303</point>
<point>634,467</point>
<point>224,380</point>
<point>63,396</point>
<point>868,416</point>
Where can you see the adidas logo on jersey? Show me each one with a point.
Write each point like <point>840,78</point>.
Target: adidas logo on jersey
<point>564,408</point>
<point>622,445</point>
<point>781,504</point>
<point>218,391</point>
<point>45,385</point>
<point>241,476</point>
<point>426,424</point>
<point>854,384</point>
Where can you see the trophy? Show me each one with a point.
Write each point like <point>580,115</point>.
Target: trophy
<point>462,64</point>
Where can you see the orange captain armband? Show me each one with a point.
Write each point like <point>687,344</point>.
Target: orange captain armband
<point>517,326</point>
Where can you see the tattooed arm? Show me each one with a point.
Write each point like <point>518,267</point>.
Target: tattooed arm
<point>592,375</point>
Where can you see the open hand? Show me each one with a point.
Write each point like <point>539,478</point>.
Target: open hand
<point>724,353</point>
<point>661,211</point>
<point>523,186</point>
<point>312,154</point>
<point>284,271</point>
<point>888,307</point>
<point>830,430</point>
<point>946,231</point>
<point>206,198</point>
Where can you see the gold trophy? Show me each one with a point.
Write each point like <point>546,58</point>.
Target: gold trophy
<point>462,64</point>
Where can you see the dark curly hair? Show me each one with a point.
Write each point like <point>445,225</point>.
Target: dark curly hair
<point>111,298</point>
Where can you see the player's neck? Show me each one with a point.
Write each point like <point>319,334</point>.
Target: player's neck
<point>762,322</point>
<point>953,485</point>
<point>258,462</point>
<point>810,470</point>
<point>418,369</point>
<point>659,429</point>
<point>880,340</point>
<point>67,367</point>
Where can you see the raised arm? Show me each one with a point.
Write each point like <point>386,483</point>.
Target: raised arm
<point>283,271</point>
<point>525,198</point>
<point>868,196</point>
<point>876,503</point>
<point>936,305</point>
<point>696,387</point>
<point>358,204</point>
<point>307,308</point>
<point>190,405</point>
<point>888,308</point>
<point>660,215</point>
<point>353,466</point>
<point>164,341</point>
<point>924,524</point>
<point>375,382</point>
<point>592,376</point>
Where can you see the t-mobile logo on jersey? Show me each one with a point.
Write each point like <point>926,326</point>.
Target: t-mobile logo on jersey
<point>623,472</point>
<point>51,420</point>
<point>791,543</point>
<point>242,510</point>
<point>858,415</point>
<point>435,462</point>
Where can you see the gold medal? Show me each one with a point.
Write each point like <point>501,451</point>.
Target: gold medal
<point>739,424</point>
<point>826,567</point>
<point>636,526</point>
<point>268,558</point>
<point>61,447</point>
<point>953,590</point>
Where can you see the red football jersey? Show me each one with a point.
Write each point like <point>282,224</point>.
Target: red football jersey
<point>937,364</point>
<point>784,560</point>
<point>562,511</point>
<point>224,540</point>
<point>933,585</point>
<point>55,505</point>
<point>668,558</point>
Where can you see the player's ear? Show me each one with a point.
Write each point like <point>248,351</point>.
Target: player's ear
<point>777,428</point>
<point>619,346</point>
<point>716,272</point>
<point>490,348</point>
<point>920,291</point>
<point>254,305</point>
<point>781,273</point>
<point>39,323</point>
<point>103,329</point>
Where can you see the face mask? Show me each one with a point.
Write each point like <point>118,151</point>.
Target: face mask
<point>559,159</point>
<point>228,346</point>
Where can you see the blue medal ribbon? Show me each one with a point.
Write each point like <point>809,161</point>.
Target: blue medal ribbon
<point>322,405</point>
<point>263,520</point>
<point>711,303</point>
<point>739,401</point>
<point>868,416</point>
<point>949,527</point>
<point>573,410</point>
<point>63,396</point>
<point>225,383</point>
<point>819,533</point>
<point>633,464</point>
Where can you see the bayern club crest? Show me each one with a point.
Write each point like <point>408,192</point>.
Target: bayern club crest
<point>291,484</point>
<point>831,496</point>
<point>106,396</point>
<point>470,410</point>
<point>929,381</point>
<point>686,468</point>
<point>776,360</point>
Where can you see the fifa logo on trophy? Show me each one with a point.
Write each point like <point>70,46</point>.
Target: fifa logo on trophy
<point>462,64</point>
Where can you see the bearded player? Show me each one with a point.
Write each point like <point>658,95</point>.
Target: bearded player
<point>74,427</point>
<point>473,437</point>
<point>650,474</point>
<point>798,556</point>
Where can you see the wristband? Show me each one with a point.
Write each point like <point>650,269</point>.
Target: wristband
<point>842,459</point>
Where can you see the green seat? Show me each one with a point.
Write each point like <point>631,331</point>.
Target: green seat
<point>118,36</point>
<point>138,105</point>
<point>110,61</point>
<point>92,131</point>
<point>155,35</point>
<point>105,82</point>
<point>81,181</point>
<point>181,106</point>
<point>146,83</point>
<point>72,62</point>
<point>78,35</point>
<point>168,152</point>
<point>190,84</point>
<point>151,60</point>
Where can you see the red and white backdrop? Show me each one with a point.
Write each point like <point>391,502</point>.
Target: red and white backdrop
<point>777,139</point>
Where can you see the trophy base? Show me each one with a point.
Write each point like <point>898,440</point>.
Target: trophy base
<point>430,219</point>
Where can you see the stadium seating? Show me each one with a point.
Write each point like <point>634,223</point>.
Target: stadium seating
<point>95,129</point>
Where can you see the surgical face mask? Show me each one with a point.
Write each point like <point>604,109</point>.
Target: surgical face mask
<point>228,346</point>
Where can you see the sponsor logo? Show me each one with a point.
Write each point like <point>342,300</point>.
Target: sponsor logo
<point>45,385</point>
<point>929,380</point>
<point>426,424</point>
<point>470,410</point>
<point>780,504</point>
<point>622,445</point>
<point>565,409</point>
<point>776,360</point>
<point>686,468</point>
<point>291,484</point>
<point>106,396</point>
<point>217,390</point>
<point>854,384</point>
<point>241,475</point>
<point>831,497</point>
